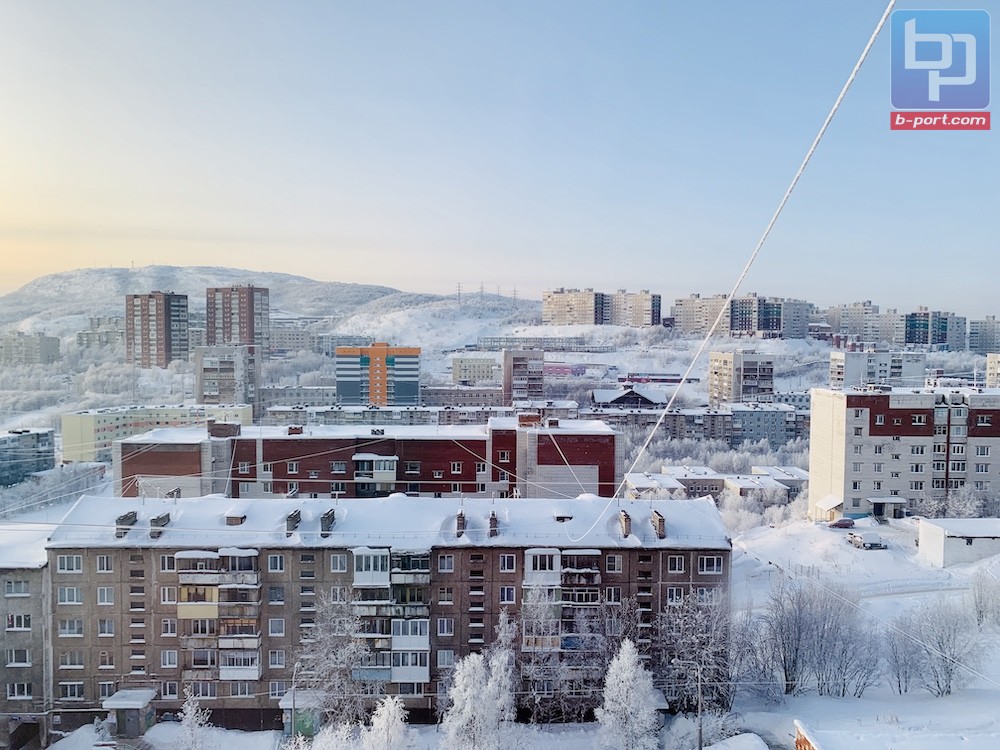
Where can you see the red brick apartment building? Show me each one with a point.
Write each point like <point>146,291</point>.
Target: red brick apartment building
<point>523,456</point>
<point>217,594</point>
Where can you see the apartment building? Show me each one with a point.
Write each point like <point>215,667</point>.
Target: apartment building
<point>854,369</point>
<point>379,375</point>
<point>748,315</point>
<point>736,377</point>
<point>984,335</point>
<point>525,456</point>
<point>24,451</point>
<point>523,375</point>
<point>587,307</point>
<point>18,348</point>
<point>218,596</point>
<point>90,434</point>
<point>156,329</point>
<point>935,330</point>
<point>473,370</point>
<point>228,375</point>
<point>24,612</point>
<point>238,315</point>
<point>877,450</point>
<point>102,331</point>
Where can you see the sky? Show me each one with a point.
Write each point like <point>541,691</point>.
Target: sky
<point>516,145</point>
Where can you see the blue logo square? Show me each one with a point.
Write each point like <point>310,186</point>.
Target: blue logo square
<point>940,59</point>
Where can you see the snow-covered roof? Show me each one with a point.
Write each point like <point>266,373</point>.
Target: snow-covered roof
<point>966,527</point>
<point>397,521</point>
<point>22,545</point>
<point>829,502</point>
<point>690,472</point>
<point>129,698</point>
<point>647,481</point>
<point>782,473</point>
<point>588,426</point>
<point>197,434</point>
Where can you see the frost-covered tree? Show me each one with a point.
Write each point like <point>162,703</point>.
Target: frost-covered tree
<point>468,722</point>
<point>786,625</point>
<point>388,730</point>
<point>500,686</point>
<point>984,599</point>
<point>329,658</point>
<point>949,644</point>
<point>335,737</point>
<point>195,720</point>
<point>902,660</point>
<point>627,715</point>
<point>540,668</point>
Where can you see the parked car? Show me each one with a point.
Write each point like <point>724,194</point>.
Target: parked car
<point>842,523</point>
<point>865,540</point>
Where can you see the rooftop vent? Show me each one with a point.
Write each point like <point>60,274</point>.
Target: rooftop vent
<point>294,429</point>
<point>123,522</point>
<point>460,523</point>
<point>378,431</point>
<point>156,525</point>
<point>659,524</point>
<point>292,521</point>
<point>626,523</point>
<point>326,522</point>
<point>174,494</point>
<point>234,519</point>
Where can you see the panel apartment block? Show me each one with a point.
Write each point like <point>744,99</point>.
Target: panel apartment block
<point>238,315</point>
<point>156,328</point>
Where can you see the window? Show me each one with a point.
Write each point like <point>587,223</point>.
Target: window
<point>982,450</point>
<point>710,564</point>
<point>982,468</point>
<point>878,486</point>
<point>338,562</point>
<point>276,563</point>
<point>456,486</point>
<point>915,485</point>
<point>507,595</point>
<point>167,564</point>
<point>445,658</point>
<point>879,449</point>
<point>540,562</point>
<point>16,588</point>
<point>105,690</point>
<point>480,467</point>
<point>276,689</point>
<point>69,563</point>
<point>411,467</point>
<point>880,419</point>
<point>857,450</point>
<point>168,594</point>
<point>338,488</point>
<point>856,486</point>
<point>613,594</point>
<point>456,467</point>
<point>293,467</point>
<point>916,468</point>
<point>70,628</point>
<point>338,594</point>
<point>18,657</point>
<point>168,689</point>
<point>168,626</point>
<point>17,691</point>
<point>203,689</point>
<point>984,420</point>
<point>18,622</point>
<point>856,466</point>
<point>203,658</point>
<point>71,691</point>
<point>105,628</point>
<point>980,485</point>
<point>446,563</point>
<point>445,626</point>
<point>917,450</point>
<point>877,467</point>
<point>958,450</point>
<point>675,563</point>
<point>613,563</point>
<point>168,659</point>
<point>241,689</point>
<point>919,419</point>
<point>409,628</point>
<point>104,564</point>
<point>446,595</point>
<point>858,432</point>
<point>70,595</point>
<point>707,595</point>
<point>957,465</point>
<point>503,457</point>
<point>244,467</point>
<point>508,563</point>
<point>276,626</point>
<point>106,660</point>
<point>858,413</point>
<point>675,595</point>
<point>276,659</point>
<point>105,595</point>
<point>338,467</point>
<point>275,594</point>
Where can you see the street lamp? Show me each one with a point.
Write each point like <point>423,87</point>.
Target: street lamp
<point>697,667</point>
<point>295,672</point>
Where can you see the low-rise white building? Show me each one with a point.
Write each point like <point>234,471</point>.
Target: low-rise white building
<point>950,541</point>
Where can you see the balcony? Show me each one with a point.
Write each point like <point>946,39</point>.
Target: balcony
<point>201,674</point>
<point>372,674</point>
<point>244,642</point>
<point>581,578</point>
<point>410,577</point>
<point>239,609</point>
<point>199,641</point>
<point>219,577</point>
<point>240,673</point>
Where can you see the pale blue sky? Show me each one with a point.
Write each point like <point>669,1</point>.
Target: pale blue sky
<point>529,144</point>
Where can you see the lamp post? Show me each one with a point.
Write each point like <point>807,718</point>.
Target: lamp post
<point>295,672</point>
<point>697,667</point>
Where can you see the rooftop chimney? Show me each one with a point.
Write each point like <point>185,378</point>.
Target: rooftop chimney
<point>494,524</point>
<point>292,521</point>
<point>659,524</point>
<point>156,525</point>
<point>460,523</point>
<point>626,523</point>
<point>326,523</point>
<point>123,522</point>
